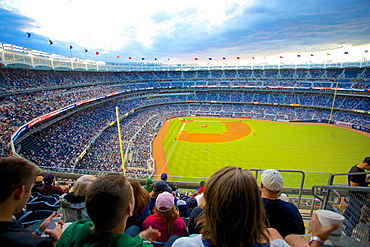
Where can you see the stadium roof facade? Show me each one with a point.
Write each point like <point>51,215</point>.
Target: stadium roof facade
<point>14,56</point>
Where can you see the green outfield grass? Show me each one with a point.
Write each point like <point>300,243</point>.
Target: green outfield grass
<point>310,148</point>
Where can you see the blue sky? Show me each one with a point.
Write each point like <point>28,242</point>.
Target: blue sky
<point>185,30</point>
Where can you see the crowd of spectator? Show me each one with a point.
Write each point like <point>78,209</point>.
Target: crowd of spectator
<point>60,144</point>
<point>18,79</point>
<point>113,210</point>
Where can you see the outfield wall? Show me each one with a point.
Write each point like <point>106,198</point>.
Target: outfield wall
<point>338,123</point>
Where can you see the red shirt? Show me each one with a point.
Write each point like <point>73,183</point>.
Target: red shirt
<point>157,222</point>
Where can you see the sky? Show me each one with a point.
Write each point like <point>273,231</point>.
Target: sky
<point>173,31</point>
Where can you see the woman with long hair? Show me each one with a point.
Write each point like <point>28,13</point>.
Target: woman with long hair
<point>141,208</point>
<point>166,218</point>
<point>233,215</point>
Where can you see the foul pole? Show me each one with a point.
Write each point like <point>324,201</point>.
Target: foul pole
<point>333,103</point>
<point>120,142</point>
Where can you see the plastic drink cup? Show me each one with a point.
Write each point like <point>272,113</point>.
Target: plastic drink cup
<point>327,218</point>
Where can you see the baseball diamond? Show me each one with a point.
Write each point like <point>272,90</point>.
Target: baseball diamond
<point>195,145</point>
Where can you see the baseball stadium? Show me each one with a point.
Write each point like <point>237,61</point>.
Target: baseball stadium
<point>311,122</point>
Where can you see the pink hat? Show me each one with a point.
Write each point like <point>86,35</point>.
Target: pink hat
<point>165,202</point>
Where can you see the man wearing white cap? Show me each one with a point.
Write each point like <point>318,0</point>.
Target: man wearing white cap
<point>281,215</point>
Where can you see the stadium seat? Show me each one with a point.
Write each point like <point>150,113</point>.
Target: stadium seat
<point>56,196</point>
<point>36,194</point>
<point>52,207</point>
<point>51,200</point>
<point>30,218</point>
<point>34,206</point>
<point>31,198</point>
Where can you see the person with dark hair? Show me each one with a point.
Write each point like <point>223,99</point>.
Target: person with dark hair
<point>164,177</point>
<point>234,216</point>
<point>192,203</point>
<point>158,187</point>
<point>142,203</point>
<point>183,208</point>
<point>356,199</point>
<point>359,180</point>
<point>17,176</point>
<point>201,187</point>
<point>281,215</point>
<point>49,188</point>
<point>109,202</point>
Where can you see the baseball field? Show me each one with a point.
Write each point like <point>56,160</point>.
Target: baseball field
<point>191,147</point>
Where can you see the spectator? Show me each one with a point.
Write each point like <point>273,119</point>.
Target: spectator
<point>356,199</point>
<point>193,226</point>
<point>109,202</point>
<point>192,203</point>
<point>172,185</point>
<point>281,215</point>
<point>72,205</point>
<point>198,194</point>
<point>201,188</point>
<point>64,186</point>
<point>183,208</point>
<point>142,203</point>
<point>49,188</point>
<point>37,184</point>
<point>233,213</point>
<point>166,218</point>
<point>359,180</point>
<point>158,187</point>
<point>164,177</point>
<point>16,180</point>
<point>148,184</point>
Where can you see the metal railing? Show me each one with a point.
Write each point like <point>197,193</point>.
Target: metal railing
<point>354,204</point>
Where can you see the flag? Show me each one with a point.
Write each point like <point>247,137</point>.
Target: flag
<point>97,53</point>
<point>252,57</point>
<point>29,35</point>
<point>118,56</point>
<point>237,57</point>
<point>70,47</point>
<point>155,59</point>
<point>129,57</point>
<point>143,58</point>
<point>224,58</point>
<point>196,58</point>
<point>210,58</point>
<point>311,55</point>
<point>328,54</point>
<point>281,56</point>
<point>366,51</point>
<point>298,55</point>
<point>51,42</point>
<point>86,50</point>
<point>346,52</point>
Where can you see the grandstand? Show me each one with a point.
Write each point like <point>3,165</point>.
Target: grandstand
<point>59,113</point>
<point>45,105</point>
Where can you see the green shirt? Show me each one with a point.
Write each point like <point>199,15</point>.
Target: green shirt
<point>79,234</point>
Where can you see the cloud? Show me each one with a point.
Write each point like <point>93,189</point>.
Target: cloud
<point>187,29</point>
<point>14,25</point>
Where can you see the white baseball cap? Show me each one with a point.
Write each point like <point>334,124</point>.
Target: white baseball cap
<point>272,179</point>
